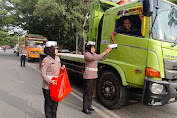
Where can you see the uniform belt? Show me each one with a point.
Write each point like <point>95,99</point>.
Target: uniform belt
<point>91,69</point>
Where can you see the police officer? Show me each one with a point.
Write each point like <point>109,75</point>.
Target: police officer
<point>23,56</point>
<point>90,74</point>
<point>4,49</point>
<point>51,67</point>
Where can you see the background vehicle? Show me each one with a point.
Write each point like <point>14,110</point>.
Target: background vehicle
<point>18,49</point>
<point>63,51</point>
<point>34,44</point>
<point>15,48</point>
<point>143,65</point>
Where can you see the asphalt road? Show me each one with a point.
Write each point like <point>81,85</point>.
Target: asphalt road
<point>21,96</point>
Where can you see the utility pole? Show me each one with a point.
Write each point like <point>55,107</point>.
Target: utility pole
<point>76,44</point>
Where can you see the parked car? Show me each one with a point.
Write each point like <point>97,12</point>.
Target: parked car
<point>15,49</point>
<point>63,51</point>
<point>1,48</point>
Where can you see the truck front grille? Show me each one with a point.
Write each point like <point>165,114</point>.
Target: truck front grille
<point>170,69</point>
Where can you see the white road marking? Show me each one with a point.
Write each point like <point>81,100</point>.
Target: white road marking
<point>34,67</point>
<point>106,110</point>
<point>80,98</point>
<point>96,109</point>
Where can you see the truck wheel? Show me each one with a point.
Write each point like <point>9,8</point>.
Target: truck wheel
<point>110,91</point>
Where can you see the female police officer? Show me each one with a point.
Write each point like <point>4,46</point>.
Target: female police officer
<point>90,74</point>
<point>51,67</point>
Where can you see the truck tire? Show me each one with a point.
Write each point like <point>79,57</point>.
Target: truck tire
<point>110,91</point>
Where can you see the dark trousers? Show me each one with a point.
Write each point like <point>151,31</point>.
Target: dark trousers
<point>50,106</point>
<point>89,87</point>
<point>23,59</point>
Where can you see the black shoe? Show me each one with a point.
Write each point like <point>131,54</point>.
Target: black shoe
<point>86,111</point>
<point>91,109</point>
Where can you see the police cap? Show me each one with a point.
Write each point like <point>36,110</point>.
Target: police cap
<point>51,44</point>
<point>91,43</point>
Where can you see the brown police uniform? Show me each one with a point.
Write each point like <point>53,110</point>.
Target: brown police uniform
<point>91,62</point>
<point>90,76</point>
<point>50,67</point>
<point>23,55</point>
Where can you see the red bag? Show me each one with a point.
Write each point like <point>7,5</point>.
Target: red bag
<point>63,87</point>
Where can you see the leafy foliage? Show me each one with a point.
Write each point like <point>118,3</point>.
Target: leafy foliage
<point>4,37</point>
<point>11,40</point>
<point>59,20</point>
<point>173,1</point>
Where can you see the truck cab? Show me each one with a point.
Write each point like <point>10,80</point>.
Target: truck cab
<point>145,60</point>
<point>34,44</point>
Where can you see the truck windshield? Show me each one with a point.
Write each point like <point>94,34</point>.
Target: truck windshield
<point>165,26</point>
<point>37,44</point>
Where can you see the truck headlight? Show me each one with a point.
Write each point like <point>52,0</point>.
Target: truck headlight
<point>157,88</point>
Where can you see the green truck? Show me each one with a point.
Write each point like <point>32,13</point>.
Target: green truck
<point>144,64</point>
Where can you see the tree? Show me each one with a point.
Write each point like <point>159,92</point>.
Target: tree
<point>173,1</point>
<point>60,20</point>
<point>4,37</point>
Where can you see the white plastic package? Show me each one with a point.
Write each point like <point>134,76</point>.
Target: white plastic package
<point>112,46</point>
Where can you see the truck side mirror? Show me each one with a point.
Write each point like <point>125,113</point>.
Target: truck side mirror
<point>147,7</point>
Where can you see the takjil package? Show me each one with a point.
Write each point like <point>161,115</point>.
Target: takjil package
<point>62,88</point>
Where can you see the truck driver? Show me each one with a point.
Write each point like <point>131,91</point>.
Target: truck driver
<point>126,28</point>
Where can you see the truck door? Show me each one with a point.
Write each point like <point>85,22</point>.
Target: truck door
<point>97,11</point>
<point>131,53</point>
